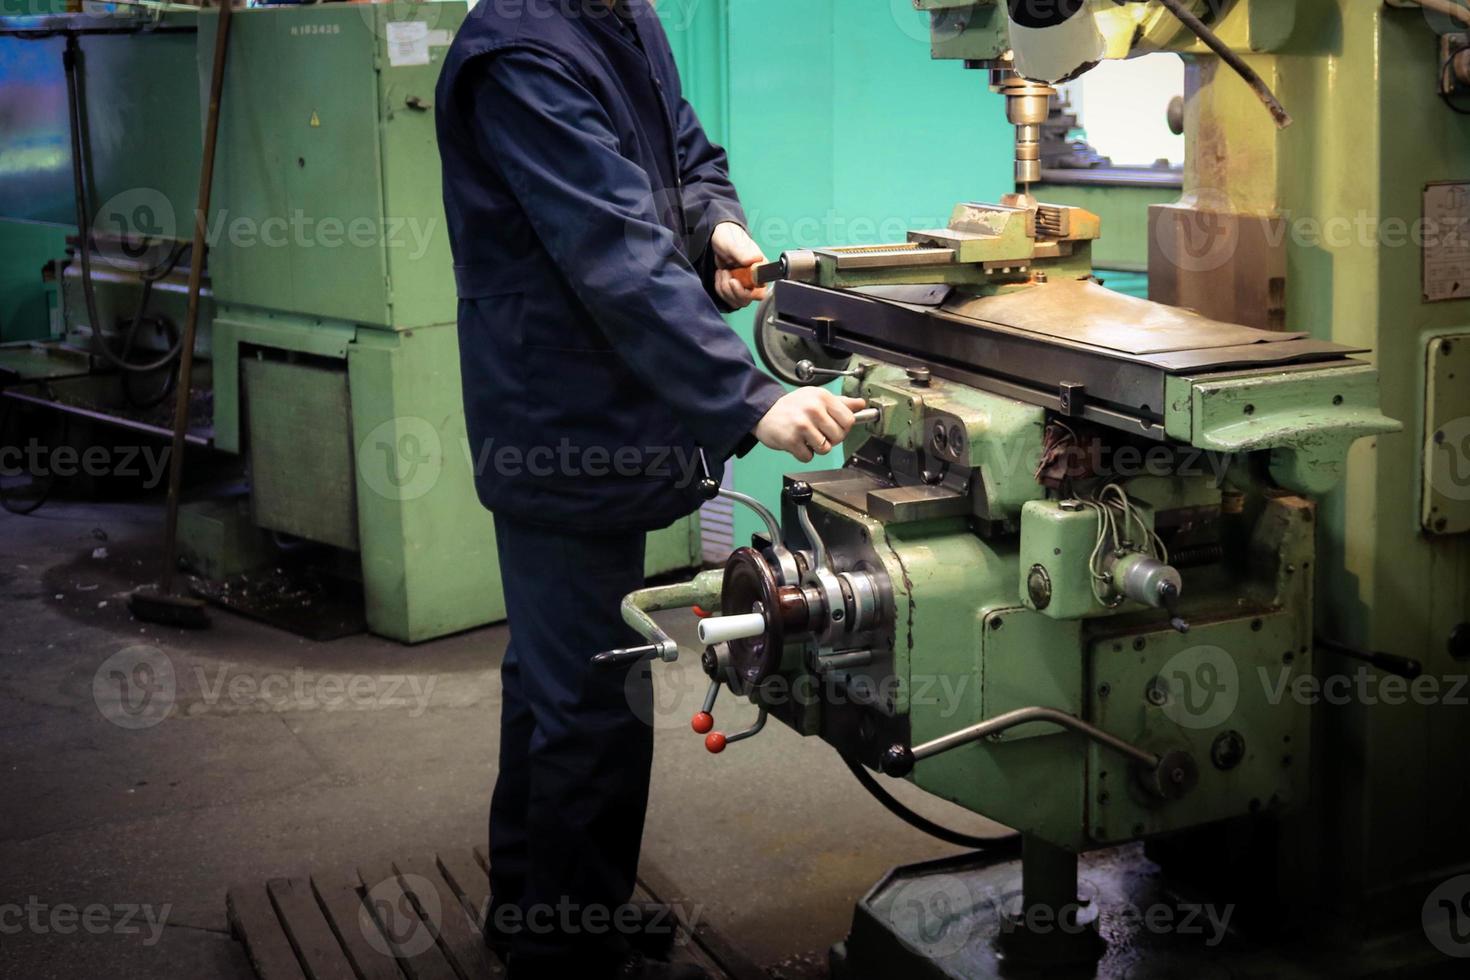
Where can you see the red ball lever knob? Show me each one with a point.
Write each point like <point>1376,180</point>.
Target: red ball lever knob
<point>703,722</point>
<point>715,742</point>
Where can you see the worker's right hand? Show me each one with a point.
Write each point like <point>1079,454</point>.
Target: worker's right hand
<point>808,422</point>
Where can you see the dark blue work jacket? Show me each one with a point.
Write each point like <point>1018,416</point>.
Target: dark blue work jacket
<point>581,193</point>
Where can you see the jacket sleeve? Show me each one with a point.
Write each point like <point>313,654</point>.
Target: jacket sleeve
<point>595,212</point>
<point>709,195</point>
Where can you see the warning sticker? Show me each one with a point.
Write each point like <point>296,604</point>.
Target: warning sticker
<point>408,42</point>
<point>1446,242</point>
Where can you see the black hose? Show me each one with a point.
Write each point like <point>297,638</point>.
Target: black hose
<point>71,58</point>
<point>1008,844</point>
<point>1212,41</point>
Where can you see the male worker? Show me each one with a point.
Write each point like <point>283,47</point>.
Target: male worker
<point>594,229</point>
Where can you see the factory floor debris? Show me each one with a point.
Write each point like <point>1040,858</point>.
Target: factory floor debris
<point>150,770</point>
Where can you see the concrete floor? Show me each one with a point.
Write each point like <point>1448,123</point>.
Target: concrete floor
<point>105,828</point>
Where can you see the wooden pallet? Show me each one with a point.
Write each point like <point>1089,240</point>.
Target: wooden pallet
<point>413,919</point>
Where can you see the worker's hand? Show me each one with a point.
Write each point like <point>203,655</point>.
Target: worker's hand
<point>808,422</point>
<point>734,249</point>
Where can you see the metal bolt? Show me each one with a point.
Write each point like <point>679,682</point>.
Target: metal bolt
<point>919,377</point>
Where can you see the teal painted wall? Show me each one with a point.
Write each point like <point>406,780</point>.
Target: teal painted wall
<point>840,130</point>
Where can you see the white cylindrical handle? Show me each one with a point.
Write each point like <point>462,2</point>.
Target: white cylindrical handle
<point>723,629</point>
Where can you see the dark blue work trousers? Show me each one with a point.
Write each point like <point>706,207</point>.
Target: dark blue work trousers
<point>566,817</point>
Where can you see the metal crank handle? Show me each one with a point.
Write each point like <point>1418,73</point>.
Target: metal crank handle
<point>807,372</point>
<point>1172,774</point>
<point>703,590</point>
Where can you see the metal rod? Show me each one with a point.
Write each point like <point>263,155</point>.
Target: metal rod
<point>751,732</point>
<point>1022,716</point>
<point>773,526</point>
<point>191,317</point>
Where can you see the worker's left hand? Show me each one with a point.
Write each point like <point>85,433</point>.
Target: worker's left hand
<point>734,249</point>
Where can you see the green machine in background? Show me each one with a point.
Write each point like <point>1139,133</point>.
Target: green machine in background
<point>1187,573</point>
<point>328,324</point>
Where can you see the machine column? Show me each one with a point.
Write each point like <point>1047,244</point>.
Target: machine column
<point>1051,925</point>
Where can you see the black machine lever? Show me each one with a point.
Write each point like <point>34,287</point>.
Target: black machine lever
<point>1389,663</point>
<point>609,659</point>
<point>1169,596</point>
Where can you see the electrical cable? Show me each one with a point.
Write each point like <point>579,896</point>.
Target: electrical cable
<point>1444,87</point>
<point>80,157</point>
<point>1212,41</point>
<point>1008,844</point>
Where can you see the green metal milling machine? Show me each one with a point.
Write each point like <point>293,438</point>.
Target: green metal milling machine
<point>1177,588</point>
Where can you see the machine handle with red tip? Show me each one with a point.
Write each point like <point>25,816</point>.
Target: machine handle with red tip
<point>705,719</point>
<point>715,742</point>
<point>755,277</point>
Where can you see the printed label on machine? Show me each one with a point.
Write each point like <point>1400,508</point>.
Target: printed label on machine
<point>1446,242</point>
<point>408,43</point>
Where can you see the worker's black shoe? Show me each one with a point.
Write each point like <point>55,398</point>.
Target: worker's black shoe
<point>652,934</point>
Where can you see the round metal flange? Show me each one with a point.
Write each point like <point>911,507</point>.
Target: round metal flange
<point>749,585</point>
<point>1175,776</point>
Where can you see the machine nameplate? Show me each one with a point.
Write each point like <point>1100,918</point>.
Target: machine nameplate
<point>1447,242</point>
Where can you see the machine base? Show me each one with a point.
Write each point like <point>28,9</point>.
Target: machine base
<point>947,920</point>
